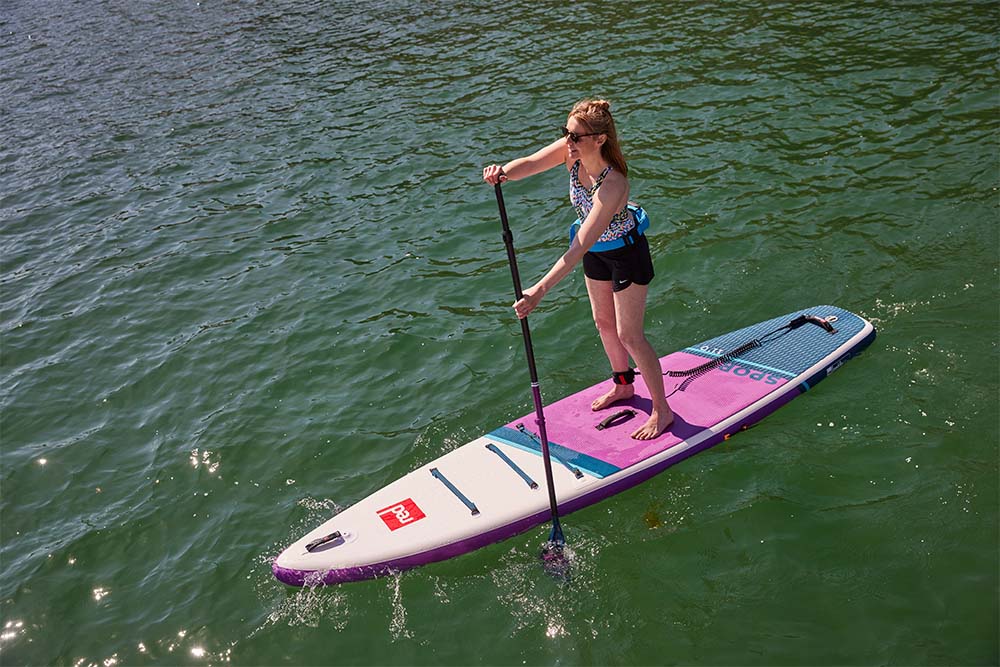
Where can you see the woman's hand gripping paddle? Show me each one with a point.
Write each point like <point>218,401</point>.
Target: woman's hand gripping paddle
<point>554,557</point>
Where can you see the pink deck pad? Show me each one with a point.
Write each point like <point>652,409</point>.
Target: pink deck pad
<point>707,401</point>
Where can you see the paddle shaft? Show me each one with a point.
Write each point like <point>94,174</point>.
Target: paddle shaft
<point>536,392</point>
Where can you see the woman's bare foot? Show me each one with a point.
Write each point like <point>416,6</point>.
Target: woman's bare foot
<point>619,392</point>
<point>658,422</point>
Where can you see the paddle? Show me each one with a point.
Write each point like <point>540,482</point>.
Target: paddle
<point>552,553</point>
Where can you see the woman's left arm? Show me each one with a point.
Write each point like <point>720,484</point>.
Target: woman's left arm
<point>610,198</point>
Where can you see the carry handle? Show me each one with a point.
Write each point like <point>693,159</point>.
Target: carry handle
<point>812,319</point>
<point>619,417</point>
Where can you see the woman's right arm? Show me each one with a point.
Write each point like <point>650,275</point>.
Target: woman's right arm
<point>552,155</point>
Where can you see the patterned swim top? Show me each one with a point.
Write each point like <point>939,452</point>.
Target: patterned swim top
<point>582,200</point>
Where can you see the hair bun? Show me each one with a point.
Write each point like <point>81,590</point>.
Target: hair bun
<point>590,107</point>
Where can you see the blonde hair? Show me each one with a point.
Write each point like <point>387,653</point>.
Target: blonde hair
<point>595,115</point>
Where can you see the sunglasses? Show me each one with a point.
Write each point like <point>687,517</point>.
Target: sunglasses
<point>575,136</point>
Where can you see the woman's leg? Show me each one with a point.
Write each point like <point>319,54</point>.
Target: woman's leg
<point>630,313</point>
<point>602,303</point>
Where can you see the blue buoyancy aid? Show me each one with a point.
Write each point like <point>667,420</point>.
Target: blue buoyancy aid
<point>630,237</point>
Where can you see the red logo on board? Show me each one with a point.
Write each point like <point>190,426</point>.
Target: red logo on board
<point>401,514</point>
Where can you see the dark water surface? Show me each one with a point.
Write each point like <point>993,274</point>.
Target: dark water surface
<point>250,275</point>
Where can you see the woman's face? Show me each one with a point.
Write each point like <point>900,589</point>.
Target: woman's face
<point>585,146</point>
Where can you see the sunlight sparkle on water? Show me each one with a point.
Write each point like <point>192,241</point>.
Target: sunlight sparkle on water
<point>205,460</point>
<point>10,630</point>
<point>555,630</point>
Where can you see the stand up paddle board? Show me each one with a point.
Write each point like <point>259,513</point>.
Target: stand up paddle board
<point>494,487</point>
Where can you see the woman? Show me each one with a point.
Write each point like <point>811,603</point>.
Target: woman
<point>618,268</point>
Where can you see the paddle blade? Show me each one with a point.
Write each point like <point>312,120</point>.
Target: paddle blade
<point>556,560</point>
<point>555,555</point>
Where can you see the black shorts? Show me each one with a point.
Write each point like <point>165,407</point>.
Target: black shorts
<point>622,266</point>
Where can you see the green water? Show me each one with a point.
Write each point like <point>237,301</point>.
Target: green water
<point>250,275</point>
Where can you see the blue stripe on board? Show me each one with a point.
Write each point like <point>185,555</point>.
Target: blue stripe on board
<point>595,467</point>
<point>737,360</point>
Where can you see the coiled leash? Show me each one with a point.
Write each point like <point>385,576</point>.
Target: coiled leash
<point>692,374</point>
